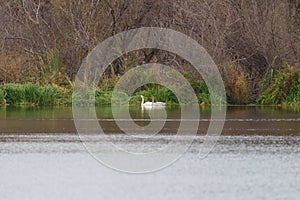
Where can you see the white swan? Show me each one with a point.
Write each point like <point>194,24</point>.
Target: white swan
<point>146,104</point>
<point>152,104</point>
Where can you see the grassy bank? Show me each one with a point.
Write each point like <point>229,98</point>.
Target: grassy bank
<point>104,95</point>
<point>282,88</point>
<point>34,94</point>
<point>30,94</point>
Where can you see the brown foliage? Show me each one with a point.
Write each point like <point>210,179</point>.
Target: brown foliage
<point>255,36</point>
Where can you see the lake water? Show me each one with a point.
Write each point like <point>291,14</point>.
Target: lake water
<point>256,157</point>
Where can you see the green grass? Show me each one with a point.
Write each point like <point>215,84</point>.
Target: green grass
<point>14,94</point>
<point>160,94</point>
<point>164,94</point>
<point>284,90</point>
<point>31,94</point>
<point>103,95</point>
<point>35,94</point>
<point>201,91</point>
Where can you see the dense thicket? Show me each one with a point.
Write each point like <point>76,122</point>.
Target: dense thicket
<point>45,41</point>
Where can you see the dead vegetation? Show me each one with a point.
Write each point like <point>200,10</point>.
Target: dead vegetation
<point>248,39</point>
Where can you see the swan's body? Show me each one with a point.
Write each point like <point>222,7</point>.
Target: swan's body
<point>152,104</point>
<point>161,104</point>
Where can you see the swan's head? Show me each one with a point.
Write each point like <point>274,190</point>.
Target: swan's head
<point>142,96</point>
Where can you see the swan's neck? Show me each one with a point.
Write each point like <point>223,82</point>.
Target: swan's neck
<point>142,101</point>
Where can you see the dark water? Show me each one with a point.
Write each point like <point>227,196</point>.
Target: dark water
<point>239,120</point>
<point>256,157</point>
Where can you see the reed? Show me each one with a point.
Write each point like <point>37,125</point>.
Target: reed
<point>201,91</point>
<point>35,94</point>
<point>103,97</point>
<point>160,93</point>
<point>32,94</point>
<point>14,94</point>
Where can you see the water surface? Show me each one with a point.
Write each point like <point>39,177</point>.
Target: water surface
<point>257,157</point>
<point>239,121</point>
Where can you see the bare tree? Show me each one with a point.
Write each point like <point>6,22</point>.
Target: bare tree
<point>253,37</point>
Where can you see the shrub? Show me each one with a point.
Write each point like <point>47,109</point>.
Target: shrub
<point>284,88</point>
<point>2,97</point>
<point>236,84</point>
